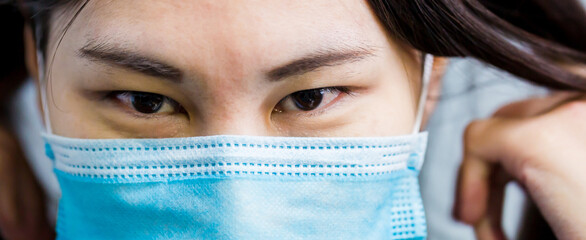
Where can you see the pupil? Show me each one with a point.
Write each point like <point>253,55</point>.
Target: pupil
<point>147,102</point>
<point>308,100</point>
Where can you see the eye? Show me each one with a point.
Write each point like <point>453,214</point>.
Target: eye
<point>309,100</point>
<point>147,103</point>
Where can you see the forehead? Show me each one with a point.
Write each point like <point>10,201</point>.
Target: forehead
<point>253,32</point>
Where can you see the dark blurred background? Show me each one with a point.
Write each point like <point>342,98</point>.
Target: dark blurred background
<point>12,65</point>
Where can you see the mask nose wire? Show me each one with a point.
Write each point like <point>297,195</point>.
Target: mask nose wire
<point>425,79</point>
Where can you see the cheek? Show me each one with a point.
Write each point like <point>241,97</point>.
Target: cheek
<point>66,111</point>
<point>72,125</point>
<point>387,116</point>
<point>381,112</point>
<point>390,109</point>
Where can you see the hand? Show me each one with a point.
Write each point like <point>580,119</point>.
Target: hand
<point>540,143</point>
<point>22,205</point>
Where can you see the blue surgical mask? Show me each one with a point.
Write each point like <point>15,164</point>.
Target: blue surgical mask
<point>240,187</point>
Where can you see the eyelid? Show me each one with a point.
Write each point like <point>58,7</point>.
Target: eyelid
<point>322,107</point>
<point>114,96</point>
<point>327,107</point>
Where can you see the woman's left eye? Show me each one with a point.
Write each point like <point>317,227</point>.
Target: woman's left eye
<point>146,103</point>
<point>309,100</point>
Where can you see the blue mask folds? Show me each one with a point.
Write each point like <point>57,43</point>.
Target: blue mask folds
<point>239,187</point>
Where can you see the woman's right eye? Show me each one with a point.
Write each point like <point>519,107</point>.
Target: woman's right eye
<point>147,103</point>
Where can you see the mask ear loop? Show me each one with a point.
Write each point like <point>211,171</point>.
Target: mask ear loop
<point>425,78</point>
<point>42,81</point>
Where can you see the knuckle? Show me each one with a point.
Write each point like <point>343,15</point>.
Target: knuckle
<point>495,134</point>
<point>473,132</point>
<point>530,173</point>
<point>522,170</point>
<point>473,129</point>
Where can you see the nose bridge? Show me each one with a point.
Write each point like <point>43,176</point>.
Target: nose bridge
<point>235,105</point>
<point>235,124</point>
<point>235,118</point>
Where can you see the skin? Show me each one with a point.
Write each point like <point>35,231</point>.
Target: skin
<point>224,89</point>
<point>540,144</point>
<point>225,85</point>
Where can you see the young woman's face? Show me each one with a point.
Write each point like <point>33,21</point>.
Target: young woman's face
<point>171,68</point>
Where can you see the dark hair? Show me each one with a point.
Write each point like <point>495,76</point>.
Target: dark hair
<point>525,37</point>
<point>522,37</point>
<point>11,49</point>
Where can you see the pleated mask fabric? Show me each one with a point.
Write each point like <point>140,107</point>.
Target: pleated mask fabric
<point>239,187</point>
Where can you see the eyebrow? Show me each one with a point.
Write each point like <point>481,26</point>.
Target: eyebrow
<point>102,52</point>
<point>325,58</point>
<point>129,60</point>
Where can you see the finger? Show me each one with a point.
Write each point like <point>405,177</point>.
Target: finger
<point>472,190</point>
<point>520,145</point>
<point>536,106</point>
<point>485,143</point>
<point>489,227</point>
<point>484,230</point>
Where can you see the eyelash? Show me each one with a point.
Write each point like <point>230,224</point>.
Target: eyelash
<point>121,98</point>
<point>317,109</point>
<point>127,98</point>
